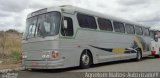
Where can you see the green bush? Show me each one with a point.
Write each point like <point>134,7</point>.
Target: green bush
<point>16,56</point>
<point>12,31</point>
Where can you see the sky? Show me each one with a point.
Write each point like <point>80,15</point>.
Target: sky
<point>13,13</point>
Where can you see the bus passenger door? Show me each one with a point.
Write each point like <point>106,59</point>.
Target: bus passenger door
<point>67,42</point>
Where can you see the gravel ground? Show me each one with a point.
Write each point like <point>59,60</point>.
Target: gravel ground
<point>148,64</point>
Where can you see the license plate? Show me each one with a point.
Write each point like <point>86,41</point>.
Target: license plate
<point>34,63</point>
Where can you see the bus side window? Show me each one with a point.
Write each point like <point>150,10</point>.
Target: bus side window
<point>86,21</point>
<point>139,30</point>
<point>67,31</point>
<point>146,31</point>
<point>105,24</point>
<point>118,27</point>
<point>130,29</point>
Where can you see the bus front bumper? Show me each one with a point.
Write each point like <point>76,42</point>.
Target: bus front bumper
<point>56,64</point>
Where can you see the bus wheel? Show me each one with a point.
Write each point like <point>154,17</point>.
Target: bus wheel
<point>85,60</point>
<point>139,55</point>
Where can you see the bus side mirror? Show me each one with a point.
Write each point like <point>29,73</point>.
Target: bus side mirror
<point>65,24</point>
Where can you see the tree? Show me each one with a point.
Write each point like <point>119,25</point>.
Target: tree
<point>12,31</point>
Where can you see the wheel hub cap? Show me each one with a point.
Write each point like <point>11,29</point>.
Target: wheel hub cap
<point>85,59</point>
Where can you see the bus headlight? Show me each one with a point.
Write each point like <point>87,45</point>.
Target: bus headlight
<point>24,56</point>
<point>45,56</point>
<point>55,54</point>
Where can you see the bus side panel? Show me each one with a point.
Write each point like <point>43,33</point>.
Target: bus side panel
<point>147,46</point>
<point>70,51</point>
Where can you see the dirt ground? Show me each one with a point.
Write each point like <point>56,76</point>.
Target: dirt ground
<point>9,66</point>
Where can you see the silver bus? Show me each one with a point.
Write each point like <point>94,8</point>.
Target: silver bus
<point>68,36</point>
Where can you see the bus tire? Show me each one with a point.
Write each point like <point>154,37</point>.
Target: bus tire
<point>85,60</point>
<point>139,55</point>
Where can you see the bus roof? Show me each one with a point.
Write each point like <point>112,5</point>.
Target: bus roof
<point>72,9</point>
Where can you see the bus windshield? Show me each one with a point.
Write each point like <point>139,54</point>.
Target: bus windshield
<point>43,25</point>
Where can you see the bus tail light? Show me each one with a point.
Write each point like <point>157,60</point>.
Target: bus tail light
<point>55,54</point>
